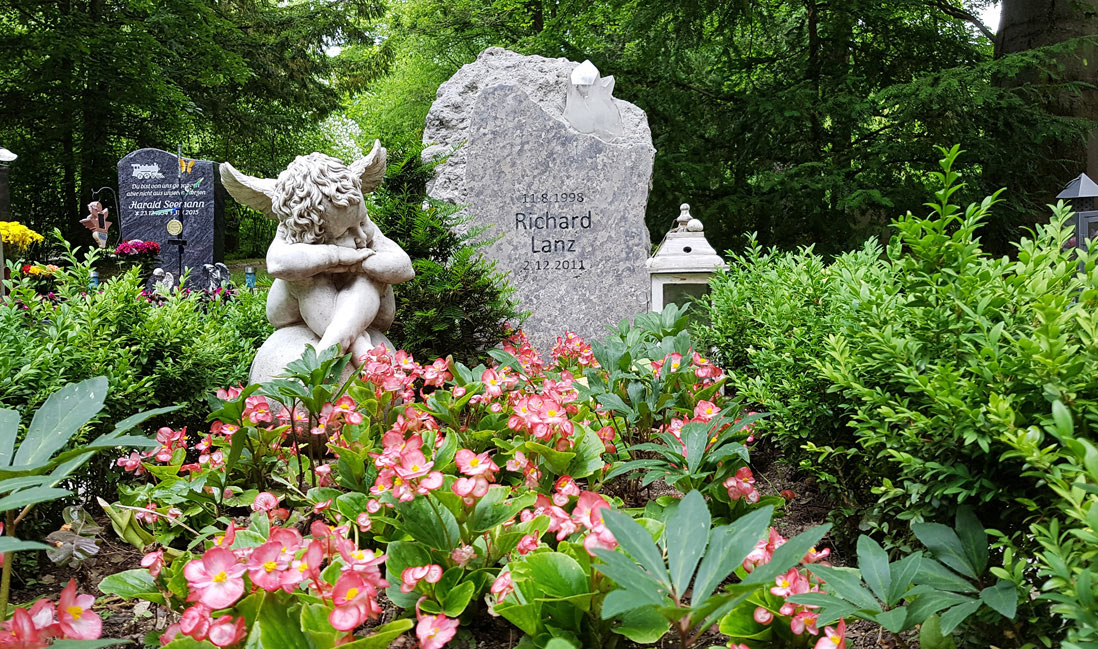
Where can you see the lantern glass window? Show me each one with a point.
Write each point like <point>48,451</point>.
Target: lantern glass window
<point>682,293</point>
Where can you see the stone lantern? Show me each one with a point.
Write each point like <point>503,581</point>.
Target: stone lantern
<point>683,263</point>
<point>1082,193</point>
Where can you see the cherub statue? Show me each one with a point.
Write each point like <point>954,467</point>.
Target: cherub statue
<point>97,222</point>
<point>333,268</point>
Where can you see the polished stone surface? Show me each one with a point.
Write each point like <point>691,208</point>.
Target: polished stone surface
<point>154,188</point>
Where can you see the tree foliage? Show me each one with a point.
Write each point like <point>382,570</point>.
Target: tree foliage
<point>808,122</point>
<point>82,82</point>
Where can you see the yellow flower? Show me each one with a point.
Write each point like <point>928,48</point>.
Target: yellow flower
<point>18,235</point>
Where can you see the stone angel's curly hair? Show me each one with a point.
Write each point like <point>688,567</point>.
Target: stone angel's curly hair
<point>300,191</point>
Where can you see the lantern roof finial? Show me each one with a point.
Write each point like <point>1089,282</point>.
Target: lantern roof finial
<point>1080,187</point>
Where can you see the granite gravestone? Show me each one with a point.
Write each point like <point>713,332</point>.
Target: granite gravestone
<point>164,198</point>
<point>566,205</point>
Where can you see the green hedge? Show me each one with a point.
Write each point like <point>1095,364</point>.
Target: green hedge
<point>912,379</point>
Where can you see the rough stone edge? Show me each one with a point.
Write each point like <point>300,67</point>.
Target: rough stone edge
<point>544,80</point>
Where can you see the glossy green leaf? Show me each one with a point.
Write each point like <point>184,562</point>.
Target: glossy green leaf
<point>12,544</point>
<point>9,432</point>
<point>847,584</point>
<point>635,540</point>
<point>901,576</point>
<point>685,538</point>
<point>1003,597</point>
<point>931,636</point>
<point>728,547</point>
<point>643,625</point>
<point>32,496</point>
<point>456,599</point>
<point>59,418</point>
<point>955,616</point>
<point>130,584</point>
<point>973,539</point>
<point>946,546</point>
<point>555,574</point>
<point>382,637</point>
<point>873,562</point>
<point>275,627</point>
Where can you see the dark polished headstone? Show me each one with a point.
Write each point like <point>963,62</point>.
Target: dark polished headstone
<point>155,188</point>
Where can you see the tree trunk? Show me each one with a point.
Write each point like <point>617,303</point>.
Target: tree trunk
<point>1030,24</point>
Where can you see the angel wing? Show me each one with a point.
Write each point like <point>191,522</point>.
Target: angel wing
<point>256,193</point>
<point>371,169</point>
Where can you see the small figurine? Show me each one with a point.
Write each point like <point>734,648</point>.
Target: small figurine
<point>97,222</point>
<point>216,275</point>
<point>161,282</point>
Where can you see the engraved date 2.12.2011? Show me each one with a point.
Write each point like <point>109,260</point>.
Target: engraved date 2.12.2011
<point>553,264</point>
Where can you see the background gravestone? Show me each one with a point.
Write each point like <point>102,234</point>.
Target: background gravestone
<point>151,181</point>
<point>568,207</point>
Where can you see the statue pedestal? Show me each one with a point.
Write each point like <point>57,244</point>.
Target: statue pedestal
<point>287,344</point>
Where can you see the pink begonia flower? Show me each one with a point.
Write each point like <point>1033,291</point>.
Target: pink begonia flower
<point>265,502</point>
<point>347,407</point>
<point>226,631</point>
<point>265,566</point>
<point>472,464</point>
<point>307,568</point>
<point>434,631</point>
<point>470,489</point>
<point>154,561</point>
<point>833,638</point>
<point>528,543</point>
<point>132,463</point>
<point>215,579</point>
<point>567,487</point>
<point>227,539</point>
<point>20,631</point>
<point>741,485</point>
<point>804,621</point>
<point>493,385</point>
<point>170,633</point>
<point>75,617</point>
<point>586,511</point>
<point>412,575</point>
<point>363,521</point>
<point>762,615</point>
<point>791,583</point>
<point>706,410</point>
<point>196,622</point>
<point>148,514</point>
<point>501,587</point>
<point>44,616</point>
<point>815,555</point>
<point>463,554</point>
<point>599,538</point>
<point>354,602</point>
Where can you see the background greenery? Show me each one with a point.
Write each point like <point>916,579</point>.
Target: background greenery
<point>801,120</point>
<point>930,374</point>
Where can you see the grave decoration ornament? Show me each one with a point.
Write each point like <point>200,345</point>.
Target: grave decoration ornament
<point>97,222</point>
<point>216,275</point>
<point>683,263</point>
<point>1082,193</point>
<point>333,268</point>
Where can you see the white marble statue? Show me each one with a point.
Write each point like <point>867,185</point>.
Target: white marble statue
<point>333,268</point>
